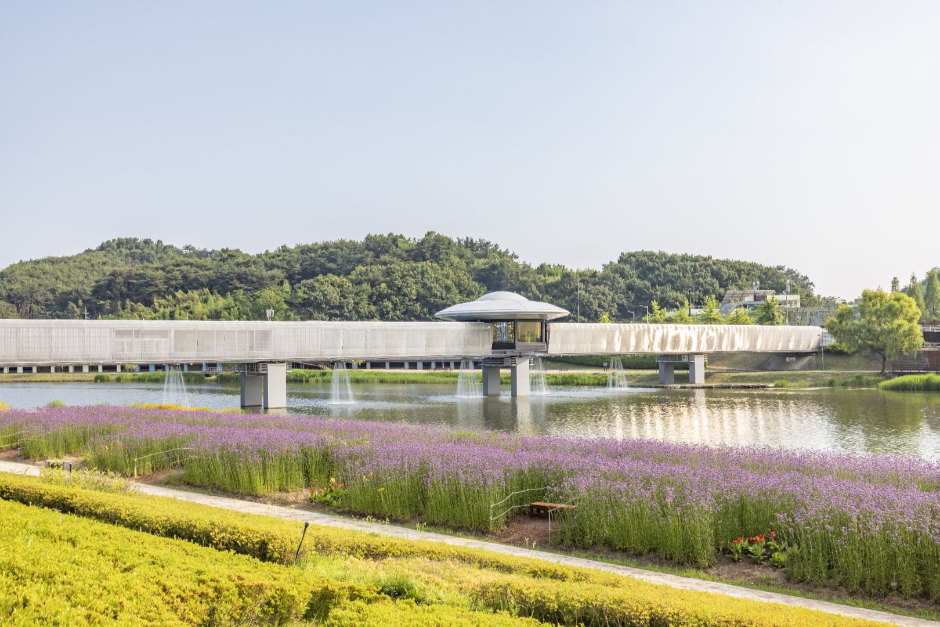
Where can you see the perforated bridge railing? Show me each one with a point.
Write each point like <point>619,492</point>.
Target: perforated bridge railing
<point>55,342</point>
<point>664,339</point>
<point>41,342</point>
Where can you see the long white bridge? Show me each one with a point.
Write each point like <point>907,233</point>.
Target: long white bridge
<point>26,343</point>
<point>264,349</point>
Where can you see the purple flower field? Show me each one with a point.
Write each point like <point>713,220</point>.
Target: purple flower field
<point>867,523</point>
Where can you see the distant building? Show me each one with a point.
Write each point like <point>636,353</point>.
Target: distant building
<point>752,299</point>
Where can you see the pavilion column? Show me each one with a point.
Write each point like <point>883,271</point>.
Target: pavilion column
<point>520,377</point>
<point>490,380</point>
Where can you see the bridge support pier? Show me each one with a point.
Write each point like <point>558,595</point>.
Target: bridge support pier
<point>490,380</point>
<point>667,367</point>
<point>696,369</point>
<point>518,375</point>
<point>275,387</point>
<point>252,390</point>
<point>667,373</point>
<point>264,385</point>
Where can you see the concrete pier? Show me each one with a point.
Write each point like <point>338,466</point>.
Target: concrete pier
<point>264,385</point>
<point>667,367</point>
<point>667,372</point>
<point>490,380</point>
<point>520,377</point>
<point>275,386</point>
<point>252,390</point>
<point>696,369</point>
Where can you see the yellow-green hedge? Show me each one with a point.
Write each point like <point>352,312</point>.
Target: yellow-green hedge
<point>63,569</point>
<point>407,614</point>
<point>525,587</point>
<point>265,538</point>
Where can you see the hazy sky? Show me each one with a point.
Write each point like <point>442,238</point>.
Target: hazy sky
<point>796,133</point>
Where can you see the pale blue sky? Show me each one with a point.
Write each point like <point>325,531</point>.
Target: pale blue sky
<point>797,133</point>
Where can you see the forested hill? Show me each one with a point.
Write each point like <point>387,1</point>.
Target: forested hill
<point>383,277</point>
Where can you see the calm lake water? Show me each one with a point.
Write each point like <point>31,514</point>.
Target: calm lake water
<point>860,421</point>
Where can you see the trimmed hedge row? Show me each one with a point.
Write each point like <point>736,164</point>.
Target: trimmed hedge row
<point>521,587</point>
<point>70,570</point>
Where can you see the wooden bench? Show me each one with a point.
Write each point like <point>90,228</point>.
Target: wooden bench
<point>544,508</point>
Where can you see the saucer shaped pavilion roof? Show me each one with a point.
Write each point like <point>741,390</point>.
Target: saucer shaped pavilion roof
<point>501,306</point>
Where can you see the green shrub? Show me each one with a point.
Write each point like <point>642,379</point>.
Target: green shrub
<point>630,362</point>
<point>401,586</point>
<point>55,403</point>
<point>407,614</point>
<point>912,383</point>
<point>87,479</point>
<point>158,376</point>
<point>858,381</point>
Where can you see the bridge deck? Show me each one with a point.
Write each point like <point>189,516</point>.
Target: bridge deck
<point>679,339</point>
<point>57,342</point>
<point>74,342</point>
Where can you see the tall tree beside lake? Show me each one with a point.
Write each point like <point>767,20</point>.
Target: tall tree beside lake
<point>913,290</point>
<point>932,296</point>
<point>888,325</point>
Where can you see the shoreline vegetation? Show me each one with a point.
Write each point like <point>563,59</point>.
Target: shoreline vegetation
<point>863,524</point>
<point>554,377</point>
<point>912,383</point>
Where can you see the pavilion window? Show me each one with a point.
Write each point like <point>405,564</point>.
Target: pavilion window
<point>529,331</point>
<point>504,332</point>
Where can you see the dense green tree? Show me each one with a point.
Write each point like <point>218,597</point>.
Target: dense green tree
<point>331,297</point>
<point>887,325</point>
<point>739,316</point>
<point>386,277</point>
<point>913,290</point>
<point>681,314</point>
<point>657,314</point>
<point>932,296</point>
<point>711,313</point>
<point>769,312</point>
<point>895,285</point>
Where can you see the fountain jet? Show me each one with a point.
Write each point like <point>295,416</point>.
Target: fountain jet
<point>616,377</point>
<point>467,384</point>
<point>340,387</point>
<point>537,378</point>
<point>174,387</point>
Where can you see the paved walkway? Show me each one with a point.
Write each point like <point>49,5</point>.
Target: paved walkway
<point>674,581</point>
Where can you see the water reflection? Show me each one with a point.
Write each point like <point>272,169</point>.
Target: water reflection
<point>865,421</point>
